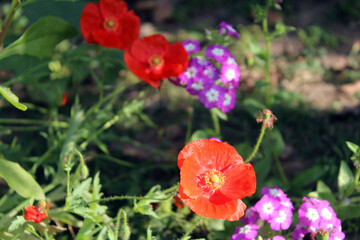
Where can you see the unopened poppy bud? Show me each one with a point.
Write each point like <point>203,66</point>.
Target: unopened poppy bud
<point>84,171</point>
<point>322,234</point>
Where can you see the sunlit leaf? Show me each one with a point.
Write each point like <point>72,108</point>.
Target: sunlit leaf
<point>40,39</point>
<point>20,180</point>
<point>12,98</point>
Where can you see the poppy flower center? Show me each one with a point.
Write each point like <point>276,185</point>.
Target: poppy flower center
<point>155,60</point>
<point>214,179</point>
<point>110,24</point>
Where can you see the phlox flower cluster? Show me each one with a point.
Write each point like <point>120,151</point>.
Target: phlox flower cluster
<point>274,207</point>
<point>215,77</point>
<point>315,214</point>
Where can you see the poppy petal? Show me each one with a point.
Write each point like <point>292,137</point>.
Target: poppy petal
<point>240,181</point>
<point>138,68</point>
<point>232,210</point>
<point>111,8</point>
<point>189,178</point>
<point>210,154</point>
<point>90,20</point>
<point>129,26</point>
<point>149,46</point>
<point>176,60</point>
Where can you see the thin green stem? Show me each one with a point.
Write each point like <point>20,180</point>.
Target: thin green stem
<point>189,125</point>
<point>117,225</point>
<point>33,121</point>
<point>267,56</point>
<point>280,169</point>
<point>256,148</point>
<point>103,70</point>
<point>184,237</point>
<point>216,123</point>
<point>8,19</point>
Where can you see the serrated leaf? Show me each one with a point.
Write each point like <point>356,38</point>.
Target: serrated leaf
<point>80,190</point>
<point>40,39</point>
<point>324,192</point>
<point>19,221</point>
<point>144,206</point>
<point>281,30</point>
<point>345,178</point>
<point>352,146</point>
<point>73,134</point>
<point>12,98</point>
<point>20,180</point>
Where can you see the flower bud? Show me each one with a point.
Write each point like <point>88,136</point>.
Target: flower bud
<point>84,171</point>
<point>322,234</point>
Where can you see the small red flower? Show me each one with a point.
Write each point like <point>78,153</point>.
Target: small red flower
<point>110,24</point>
<point>35,214</point>
<point>152,59</point>
<point>213,179</point>
<point>64,100</point>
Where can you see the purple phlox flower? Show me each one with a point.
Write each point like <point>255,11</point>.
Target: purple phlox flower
<point>274,192</point>
<point>266,207</point>
<point>214,138</point>
<point>228,102</point>
<point>212,73</point>
<point>251,216</point>
<point>212,96</point>
<point>299,232</point>
<point>337,236</point>
<point>191,46</point>
<point>286,203</point>
<point>327,215</point>
<point>281,220</point>
<point>246,232</point>
<point>217,52</point>
<point>230,75</point>
<point>276,238</point>
<point>229,29</point>
<point>194,71</point>
<point>309,215</point>
<point>203,62</point>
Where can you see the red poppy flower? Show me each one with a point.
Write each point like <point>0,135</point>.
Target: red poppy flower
<point>152,59</point>
<point>213,179</point>
<point>110,24</point>
<point>34,214</point>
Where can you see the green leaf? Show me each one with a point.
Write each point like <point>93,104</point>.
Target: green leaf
<point>19,221</point>
<point>144,206</point>
<point>352,146</point>
<point>12,98</point>
<point>219,114</point>
<point>348,212</point>
<point>281,30</point>
<point>73,134</point>
<point>253,106</point>
<point>345,178</point>
<point>324,192</point>
<point>203,134</point>
<point>308,176</point>
<point>20,180</point>
<point>273,143</point>
<point>40,39</point>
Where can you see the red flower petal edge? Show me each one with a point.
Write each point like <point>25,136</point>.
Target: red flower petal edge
<point>153,59</point>
<point>213,179</point>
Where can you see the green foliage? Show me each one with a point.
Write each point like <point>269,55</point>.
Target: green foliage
<point>40,38</point>
<point>12,98</point>
<point>20,180</point>
<point>345,178</point>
